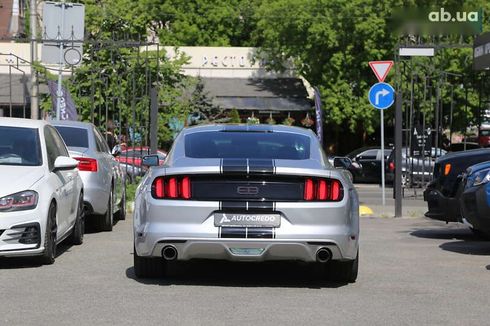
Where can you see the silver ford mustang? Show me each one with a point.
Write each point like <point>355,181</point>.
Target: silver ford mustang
<point>246,193</point>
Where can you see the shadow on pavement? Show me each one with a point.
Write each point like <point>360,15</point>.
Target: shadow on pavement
<point>91,225</point>
<point>445,234</point>
<point>481,248</point>
<point>464,241</point>
<point>231,274</point>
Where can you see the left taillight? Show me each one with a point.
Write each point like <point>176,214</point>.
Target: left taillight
<point>323,190</point>
<point>86,164</point>
<point>172,187</point>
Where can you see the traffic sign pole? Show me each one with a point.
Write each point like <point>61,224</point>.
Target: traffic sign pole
<point>383,157</point>
<point>381,96</point>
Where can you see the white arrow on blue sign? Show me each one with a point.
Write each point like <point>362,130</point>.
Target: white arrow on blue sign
<point>381,96</point>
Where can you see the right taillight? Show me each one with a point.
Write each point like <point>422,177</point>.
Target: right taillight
<point>323,190</point>
<point>86,164</point>
<point>173,187</point>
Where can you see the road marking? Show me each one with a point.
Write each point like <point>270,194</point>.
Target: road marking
<point>365,211</point>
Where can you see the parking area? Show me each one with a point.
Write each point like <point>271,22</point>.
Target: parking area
<point>412,271</point>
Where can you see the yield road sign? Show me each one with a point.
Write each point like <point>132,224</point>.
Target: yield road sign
<point>381,96</point>
<point>381,69</point>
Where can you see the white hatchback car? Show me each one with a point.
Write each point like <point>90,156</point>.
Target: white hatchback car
<point>41,198</point>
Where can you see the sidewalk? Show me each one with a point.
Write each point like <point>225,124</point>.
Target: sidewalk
<point>388,211</point>
<point>370,196</point>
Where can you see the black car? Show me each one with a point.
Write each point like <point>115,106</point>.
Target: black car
<point>443,193</point>
<point>369,160</point>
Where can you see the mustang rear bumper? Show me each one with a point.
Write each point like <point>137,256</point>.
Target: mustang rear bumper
<point>305,227</point>
<point>256,250</point>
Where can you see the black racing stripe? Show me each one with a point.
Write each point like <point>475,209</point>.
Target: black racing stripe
<point>261,206</point>
<point>234,166</point>
<point>233,206</point>
<point>260,233</point>
<point>229,232</point>
<point>261,166</point>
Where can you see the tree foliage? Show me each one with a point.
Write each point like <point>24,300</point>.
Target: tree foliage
<point>329,41</point>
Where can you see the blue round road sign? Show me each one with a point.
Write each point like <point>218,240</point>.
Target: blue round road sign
<point>381,96</point>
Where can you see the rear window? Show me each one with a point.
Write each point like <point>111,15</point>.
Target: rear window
<point>262,145</point>
<point>484,132</point>
<point>20,146</point>
<point>74,137</point>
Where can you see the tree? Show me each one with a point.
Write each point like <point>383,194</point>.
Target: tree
<point>330,43</point>
<point>201,105</point>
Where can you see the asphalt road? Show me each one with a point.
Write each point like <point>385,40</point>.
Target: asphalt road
<point>412,271</point>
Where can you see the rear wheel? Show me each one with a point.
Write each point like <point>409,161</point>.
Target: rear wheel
<point>76,237</point>
<point>49,254</point>
<point>107,220</point>
<point>148,267</point>
<point>343,271</point>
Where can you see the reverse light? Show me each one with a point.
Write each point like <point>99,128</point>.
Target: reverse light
<point>323,190</point>
<point>172,188</point>
<point>19,201</point>
<point>86,164</point>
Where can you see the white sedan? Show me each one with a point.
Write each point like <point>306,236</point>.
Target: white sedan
<point>41,198</point>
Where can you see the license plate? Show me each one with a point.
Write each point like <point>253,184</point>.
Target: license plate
<point>247,220</point>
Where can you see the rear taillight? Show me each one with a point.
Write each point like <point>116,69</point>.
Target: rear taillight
<point>323,190</point>
<point>171,187</point>
<point>86,164</point>
<point>391,166</point>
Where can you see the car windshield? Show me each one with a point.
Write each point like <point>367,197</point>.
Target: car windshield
<point>74,137</point>
<point>20,146</point>
<point>262,145</point>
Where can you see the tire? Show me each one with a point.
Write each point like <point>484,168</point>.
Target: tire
<point>121,214</point>
<point>107,220</point>
<point>343,271</point>
<point>148,267</point>
<point>76,238</point>
<point>49,254</point>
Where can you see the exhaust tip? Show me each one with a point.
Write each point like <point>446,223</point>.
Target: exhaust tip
<point>169,253</point>
<point>323,255</point>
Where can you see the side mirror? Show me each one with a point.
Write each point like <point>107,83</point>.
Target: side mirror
<point>150,160</point>
<point>65,163</point>
<point>116,150</point>
<point>342,162</point>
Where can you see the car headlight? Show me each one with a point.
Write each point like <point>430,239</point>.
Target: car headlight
<point>481,177</point>
<point>20,201</point>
